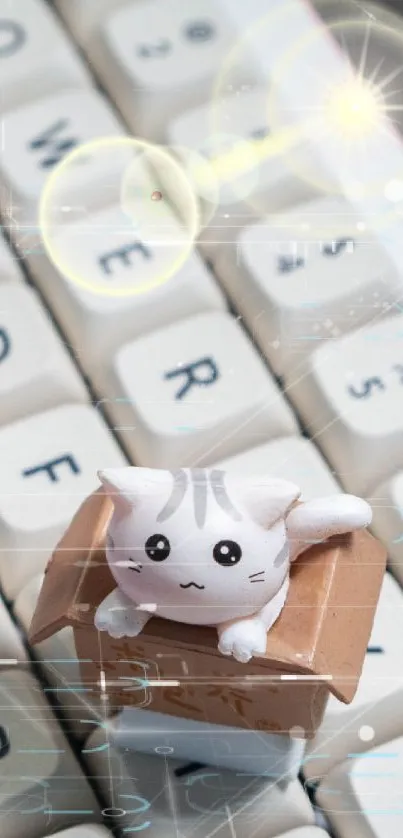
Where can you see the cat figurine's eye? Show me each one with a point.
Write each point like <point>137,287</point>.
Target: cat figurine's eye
<point>227,553</point>
<point>157,547</point>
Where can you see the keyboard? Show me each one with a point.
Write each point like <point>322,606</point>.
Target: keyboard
<point>258,328</point>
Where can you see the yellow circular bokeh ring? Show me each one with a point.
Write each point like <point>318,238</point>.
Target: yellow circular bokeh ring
<point>182,181</point>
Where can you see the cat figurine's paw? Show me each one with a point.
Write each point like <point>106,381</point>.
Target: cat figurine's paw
<point>119,617</point>
<point>243,640</point>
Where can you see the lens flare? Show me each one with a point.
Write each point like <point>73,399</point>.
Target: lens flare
<point>167,228</point>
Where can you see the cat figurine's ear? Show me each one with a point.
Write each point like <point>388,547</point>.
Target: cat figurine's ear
<point>128,486</point>
<point>268,499</point>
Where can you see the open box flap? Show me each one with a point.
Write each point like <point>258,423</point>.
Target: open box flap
<point>322,632</point>
<point>64,596</point>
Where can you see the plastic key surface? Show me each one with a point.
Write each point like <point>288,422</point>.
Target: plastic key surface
<point>36,56</point>
<point>351,400</point>
<point>307,276</point>
<point>375,713</point>
<point>38,136</point>
<point>291,458</point>
<point>208,801</point>
<point>387,522</point>
<point>193,393</point>
<point>129,287</point>
<point>251,186</point>
<point>56,657</point>
<point>42,787</point>
<point>36,371</point>
<point>363,797</point>
<point>9,268</point>
<point>143,50</point>
<point>49,466</point>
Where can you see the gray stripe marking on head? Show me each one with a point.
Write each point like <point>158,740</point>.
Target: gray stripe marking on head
<point>221,496</point>
<point>282,556</point>
<point>199,480</point>
<point>178,493</point>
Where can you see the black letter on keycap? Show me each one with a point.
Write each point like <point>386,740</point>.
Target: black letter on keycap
<point>57,147</point>
<point>123,254</point>
<point>338,246</point>
<point>16,37</point>
<point>286,264</point>
<point>154,50</point>
<point>367,387</point>
<point>190,371</point>
<point>50,468</point>
<point>199,31</point>
<point>5,344</point>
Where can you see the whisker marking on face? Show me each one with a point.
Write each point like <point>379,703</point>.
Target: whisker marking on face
<point>259,573</point>
<point>129,564</point>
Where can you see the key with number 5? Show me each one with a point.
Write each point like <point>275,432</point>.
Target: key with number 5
<point>352,402</point>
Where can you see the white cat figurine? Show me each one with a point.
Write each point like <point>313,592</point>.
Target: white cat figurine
<point>202,546</point>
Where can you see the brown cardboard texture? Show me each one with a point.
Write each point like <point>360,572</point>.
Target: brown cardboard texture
<point>316,647</point>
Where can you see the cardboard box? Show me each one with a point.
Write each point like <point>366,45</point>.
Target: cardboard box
<point>316,647</point>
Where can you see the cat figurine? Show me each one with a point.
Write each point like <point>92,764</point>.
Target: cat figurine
<point>208,548</point>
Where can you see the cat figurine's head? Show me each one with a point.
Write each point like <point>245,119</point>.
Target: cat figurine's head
<point>198,545</point>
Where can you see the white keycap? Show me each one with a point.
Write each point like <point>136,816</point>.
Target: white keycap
<point>39,135</point>
<point>306,276</point>
<point>36,57</point>
<point>211,801</point>
<point>49,465</point>
<point>12,650</point>
<point>157,59</point>
<point>42,787</point>
<point>375,713</point>
<point>351,400</point>
<point>291,458</point>
<point>9,268</point>
<point>240,119</point>
<point>84,17</point>
<point>57,659</point>
<point>387,521</point>
<point>36,371</point>
<point>113,255</point>
<point>248,751</point>
<point>193,393</point>
<point>363,797</point>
